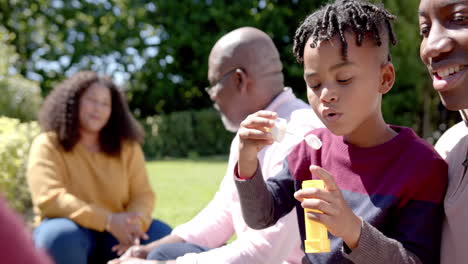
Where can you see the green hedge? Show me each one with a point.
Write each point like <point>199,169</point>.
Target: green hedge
<point>186,134</point>
<point>15,140</point>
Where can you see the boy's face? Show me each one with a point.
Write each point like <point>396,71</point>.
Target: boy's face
<point>444,48</point>
<point>346,94</point>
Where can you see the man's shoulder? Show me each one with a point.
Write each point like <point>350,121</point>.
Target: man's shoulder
<point>451,138</point>
<point>458,131</point>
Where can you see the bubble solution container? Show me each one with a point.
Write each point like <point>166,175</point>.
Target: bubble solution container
<point>316,233</point>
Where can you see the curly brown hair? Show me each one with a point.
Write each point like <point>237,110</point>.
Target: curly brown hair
<point>60,114</point>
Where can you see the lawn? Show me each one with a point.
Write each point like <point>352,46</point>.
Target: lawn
<point>184,187</point>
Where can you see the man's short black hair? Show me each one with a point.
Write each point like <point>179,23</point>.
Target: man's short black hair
<point>356,16</point>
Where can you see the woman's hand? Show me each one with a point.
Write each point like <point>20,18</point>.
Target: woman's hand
<point>126,228</point>
<point>336,215</point>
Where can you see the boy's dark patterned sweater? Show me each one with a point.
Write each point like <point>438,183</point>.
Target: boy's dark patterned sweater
<point>397,188</point>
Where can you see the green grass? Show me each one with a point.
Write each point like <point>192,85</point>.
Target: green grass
<point>184,187</point>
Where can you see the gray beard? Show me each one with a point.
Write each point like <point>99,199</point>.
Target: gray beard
<point>228,124</point>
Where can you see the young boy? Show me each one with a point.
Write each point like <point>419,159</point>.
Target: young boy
<point>444,50</point>
<point>384,186</point>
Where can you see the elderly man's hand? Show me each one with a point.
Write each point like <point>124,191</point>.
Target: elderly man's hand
<point>253,136</point>
<point>137,251</point>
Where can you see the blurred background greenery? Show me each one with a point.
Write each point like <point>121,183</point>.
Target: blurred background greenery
<point>157,50</point>
<point>184,186</point>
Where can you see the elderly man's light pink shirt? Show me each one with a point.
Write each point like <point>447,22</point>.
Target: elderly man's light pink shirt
<point>222,217</point>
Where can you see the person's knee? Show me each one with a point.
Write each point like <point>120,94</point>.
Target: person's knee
<point>61,235</point>
<point>158,230</point>
<point>175,250</point>
<point>165,252</point>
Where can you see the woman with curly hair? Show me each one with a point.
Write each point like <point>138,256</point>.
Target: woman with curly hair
<point>87,175</point>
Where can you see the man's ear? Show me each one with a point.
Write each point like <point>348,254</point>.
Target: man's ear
<point>387,77</point>
<point>241,80</point>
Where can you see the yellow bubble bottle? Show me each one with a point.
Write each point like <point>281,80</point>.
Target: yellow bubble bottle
<point>316,233</point>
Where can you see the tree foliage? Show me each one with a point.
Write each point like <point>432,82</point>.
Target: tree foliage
<point>158,49</point>
<point>20,98</point>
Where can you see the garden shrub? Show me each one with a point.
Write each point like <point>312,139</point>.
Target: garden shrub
<point>15,140</point>
<point>186,134</point>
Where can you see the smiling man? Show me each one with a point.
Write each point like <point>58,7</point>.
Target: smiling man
<point>444,50</point>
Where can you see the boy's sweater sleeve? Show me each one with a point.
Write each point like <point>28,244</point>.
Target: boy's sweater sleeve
<point>374,247</point>
<point>263,203</point>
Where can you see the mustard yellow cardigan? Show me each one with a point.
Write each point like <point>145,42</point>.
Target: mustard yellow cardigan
<point>85,186</point>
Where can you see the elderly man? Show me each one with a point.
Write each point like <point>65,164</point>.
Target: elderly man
<point>245,73</point>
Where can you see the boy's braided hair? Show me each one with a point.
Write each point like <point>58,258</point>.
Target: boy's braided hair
<point>357,16</point>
